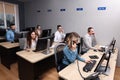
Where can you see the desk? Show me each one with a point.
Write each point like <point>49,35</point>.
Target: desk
<point>31,64</point>
<point>71,71</point>
<point>2,39</point>
<point>8,53</point>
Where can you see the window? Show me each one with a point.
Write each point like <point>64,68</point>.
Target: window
<point>1,16</point>
<point>8,15</point>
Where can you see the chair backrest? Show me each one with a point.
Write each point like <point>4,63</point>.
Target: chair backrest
<point>2,32</point>
<point>83,47</point>
<point>59,55</point>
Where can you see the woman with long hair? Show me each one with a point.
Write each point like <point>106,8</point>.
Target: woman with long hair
<point>32,40</point>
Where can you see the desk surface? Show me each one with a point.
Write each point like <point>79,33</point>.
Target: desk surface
<point>9,45</point>
<point>34,57</point>
<point>71,71</point>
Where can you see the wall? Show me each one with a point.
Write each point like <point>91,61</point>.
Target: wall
<point>21,12</point>
<point>105,22</point>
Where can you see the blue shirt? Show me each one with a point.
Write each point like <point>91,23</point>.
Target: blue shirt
<point>10,35</point>
<point>70,56</point>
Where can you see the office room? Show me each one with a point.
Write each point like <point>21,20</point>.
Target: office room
<point>73,16</point>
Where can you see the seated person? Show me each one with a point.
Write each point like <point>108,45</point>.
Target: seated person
<point>70,50</point>
<point>10,34</point>
<point>32,40</point>
<point>90,40</point>
<point>59,34</point>
<point>38,30</point>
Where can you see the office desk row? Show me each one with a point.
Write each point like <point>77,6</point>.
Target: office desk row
<point>2,39</point>
<point>8,53</point>
<point>32,64</point>
<point>71,72</point>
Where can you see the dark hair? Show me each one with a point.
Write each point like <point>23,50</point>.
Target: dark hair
<point>58,26</point>
<point>29,38</point>
<point>11,25</point>
<point>90,29</point>
<point>37,26</point>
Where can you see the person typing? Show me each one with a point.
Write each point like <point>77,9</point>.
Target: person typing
<point>70,50</point>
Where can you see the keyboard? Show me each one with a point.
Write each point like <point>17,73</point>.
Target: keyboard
<point>89,66</point>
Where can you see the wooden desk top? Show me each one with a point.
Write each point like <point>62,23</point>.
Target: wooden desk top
<point>34,57</point>
<point>71,71</point>
<point>9,45</point>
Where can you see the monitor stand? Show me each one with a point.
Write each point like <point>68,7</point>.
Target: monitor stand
<point>47,51</point>
<point>102,69</point>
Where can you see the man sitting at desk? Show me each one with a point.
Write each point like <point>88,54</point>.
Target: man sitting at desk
<point>70,50</point>
<point>59,34</point>
<point>90,40</point>
<point>10,35</point>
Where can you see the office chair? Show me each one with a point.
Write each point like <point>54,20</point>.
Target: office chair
<point>82,48</point>
<point>59,56</point>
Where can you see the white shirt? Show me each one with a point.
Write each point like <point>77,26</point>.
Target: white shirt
<point>59,36</point>
<point>33,44</point>
<point>88,41</point>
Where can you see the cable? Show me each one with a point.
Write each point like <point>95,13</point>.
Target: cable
<point>79,70</point>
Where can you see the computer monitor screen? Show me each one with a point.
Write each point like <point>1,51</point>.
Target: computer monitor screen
<point>111,46</point>
<point>46,32</point>
<point>2,32</point>
<point>24,34</point>
<point>103,68</point>
<point>17,36</point>
<point>44,43</point>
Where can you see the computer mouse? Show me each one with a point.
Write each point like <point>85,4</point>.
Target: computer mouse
<point>96,57</point>
<point>95,50</point>
<point>84,69</point>
<point>12,41</point>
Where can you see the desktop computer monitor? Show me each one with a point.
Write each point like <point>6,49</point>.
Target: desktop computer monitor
<point>2,32</point>
<point>105,69</point>
<point>44,43</point>
<point>17,36</point>
<point>46,33</point>
<point>24,34</point>
<point>111,46</point>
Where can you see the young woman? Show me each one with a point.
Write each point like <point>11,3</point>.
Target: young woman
<point>32,40</point>
<point>70,50</point>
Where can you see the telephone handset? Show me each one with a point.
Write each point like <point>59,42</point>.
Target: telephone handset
<point>72,43</point>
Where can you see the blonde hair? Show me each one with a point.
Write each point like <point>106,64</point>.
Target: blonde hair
<point>73,36</point>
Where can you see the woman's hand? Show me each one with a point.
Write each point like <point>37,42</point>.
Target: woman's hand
<point>88,61</point>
